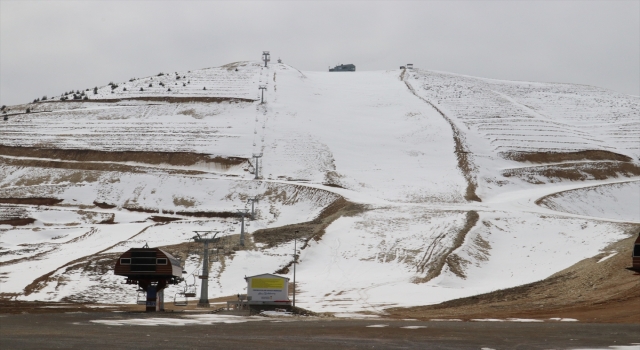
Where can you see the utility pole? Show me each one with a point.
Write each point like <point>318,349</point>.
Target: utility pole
<point>266,57</point>
<point>295,260</point>
<point>204,287</point>
<point>256,157</point>
<point>253,201</point>
<point>242,212</point>
<point>262,87</point>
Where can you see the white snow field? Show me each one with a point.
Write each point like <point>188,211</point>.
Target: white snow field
<point>466,185</point>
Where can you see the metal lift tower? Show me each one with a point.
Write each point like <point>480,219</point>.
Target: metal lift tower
<point>204,288</point>
<point>262,87</point>
<point>256,157</point>
<point>253,201</point>
<point>243,213</point>
<point>266,57</point>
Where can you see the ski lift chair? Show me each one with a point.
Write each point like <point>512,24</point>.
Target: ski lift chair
<point>141,299</point>
<point>180,299</point>
<point>190,290</point>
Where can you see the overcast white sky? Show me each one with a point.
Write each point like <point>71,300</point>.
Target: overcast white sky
<point>49,47</point>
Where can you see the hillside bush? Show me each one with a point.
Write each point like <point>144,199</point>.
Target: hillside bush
<point>160,74</point>
<point>44,98</point>
<point>162,84</point>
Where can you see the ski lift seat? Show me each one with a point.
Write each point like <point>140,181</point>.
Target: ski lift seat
<point>180,302</point>
<point>141,298</point>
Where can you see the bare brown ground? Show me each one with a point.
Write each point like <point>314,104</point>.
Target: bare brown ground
<point>103,205</point>
<point>31,201</point>
<point>313,229</point>
<point>17,221</point>
<point>556,157</point>
<point>434,265</point>
<point>83,155</point>
<point>575,172</point>
<point>169,99</point>
<point>198,214</point>
<point>156,218</point>
<point>588,291</point>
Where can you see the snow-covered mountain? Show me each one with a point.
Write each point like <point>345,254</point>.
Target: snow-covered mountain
<point>408,187</point>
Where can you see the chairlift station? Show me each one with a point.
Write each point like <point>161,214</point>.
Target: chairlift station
<point>343,68</point>
<point>152,269</point>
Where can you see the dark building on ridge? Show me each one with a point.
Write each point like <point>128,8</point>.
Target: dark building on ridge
<point>343,68</point>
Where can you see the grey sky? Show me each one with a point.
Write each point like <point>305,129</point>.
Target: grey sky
<point>48,47</point>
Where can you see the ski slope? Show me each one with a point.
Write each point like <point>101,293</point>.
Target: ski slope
<point>410,147</point>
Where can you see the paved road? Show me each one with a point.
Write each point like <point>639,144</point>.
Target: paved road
<point>77,331</point>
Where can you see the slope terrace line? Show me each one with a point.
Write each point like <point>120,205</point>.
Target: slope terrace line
<point>461,150</point>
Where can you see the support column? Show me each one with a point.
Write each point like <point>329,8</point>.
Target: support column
<point>152,297</point>
<point>204,287</point>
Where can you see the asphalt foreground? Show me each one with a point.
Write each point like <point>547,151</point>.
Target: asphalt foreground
<point>77,331</point>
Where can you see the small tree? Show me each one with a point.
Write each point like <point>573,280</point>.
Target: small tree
<point>95,90</point>
<point>150,85</point>
<point>184,84</point>
<point>124,89</point>
<point>204,88</point>
<point>3,107</point>
<point>28,110</point>
<point>141,89</point>
<point>86,97</point>
<point>44,98</point>
<point>169,89</point>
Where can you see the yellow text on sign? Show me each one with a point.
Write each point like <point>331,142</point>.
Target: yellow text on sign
<point>267,283</point>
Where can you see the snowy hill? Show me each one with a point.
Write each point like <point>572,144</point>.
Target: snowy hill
<point>408,187</point>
